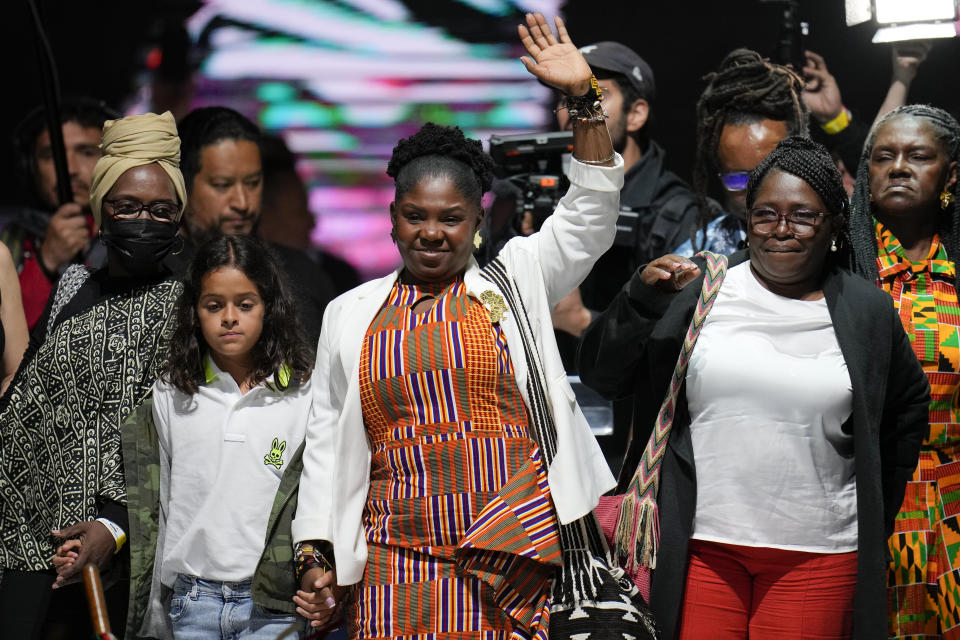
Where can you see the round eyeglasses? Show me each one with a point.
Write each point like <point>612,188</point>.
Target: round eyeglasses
<point>800,222</point>
<point>160,210</point>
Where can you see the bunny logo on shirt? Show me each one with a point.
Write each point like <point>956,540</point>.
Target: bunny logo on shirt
<point>275,457</point>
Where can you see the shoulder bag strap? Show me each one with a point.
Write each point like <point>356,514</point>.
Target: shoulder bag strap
<point>638,531</point>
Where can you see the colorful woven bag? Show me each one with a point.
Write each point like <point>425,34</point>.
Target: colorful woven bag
<point>630,520</point>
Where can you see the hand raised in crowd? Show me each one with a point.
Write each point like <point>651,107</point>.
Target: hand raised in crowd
<point>319,596</point>
<point>67,235</point>
<point>821,93</point>
<point>670,272</point>
<point>555,61</point>
<point>907,58</point>
<point>86,542</point>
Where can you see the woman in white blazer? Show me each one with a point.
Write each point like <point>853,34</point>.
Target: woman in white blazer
<point>446,452</point>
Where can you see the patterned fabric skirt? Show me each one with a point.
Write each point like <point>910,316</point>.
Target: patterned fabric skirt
<point>924,581</point>
<point>460,526</point>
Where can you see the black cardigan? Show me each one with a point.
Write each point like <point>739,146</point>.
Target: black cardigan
<point>632,349</point>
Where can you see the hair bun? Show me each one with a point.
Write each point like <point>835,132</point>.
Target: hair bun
<point>439,140</point>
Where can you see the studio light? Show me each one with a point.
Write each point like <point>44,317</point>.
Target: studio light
<point>899,20</point>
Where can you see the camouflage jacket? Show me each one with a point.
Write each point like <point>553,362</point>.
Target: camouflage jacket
<point>274,584</point>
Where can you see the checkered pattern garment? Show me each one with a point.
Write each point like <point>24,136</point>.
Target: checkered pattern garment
<point>460,527</point>
<point>924,580</point>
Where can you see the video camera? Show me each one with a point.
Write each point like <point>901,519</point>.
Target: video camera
<point>533,163</point>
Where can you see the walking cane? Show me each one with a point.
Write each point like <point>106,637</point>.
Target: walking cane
<point>98,605</point>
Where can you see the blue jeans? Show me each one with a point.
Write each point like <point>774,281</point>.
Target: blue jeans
<point>206,609</point>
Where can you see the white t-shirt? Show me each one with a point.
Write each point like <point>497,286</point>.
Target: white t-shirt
<point>222,456</point>
<point>768,392</point>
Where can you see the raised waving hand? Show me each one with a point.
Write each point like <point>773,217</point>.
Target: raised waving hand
<point>554,60</point>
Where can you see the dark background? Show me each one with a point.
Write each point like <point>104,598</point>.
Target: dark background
<point>100,48</point>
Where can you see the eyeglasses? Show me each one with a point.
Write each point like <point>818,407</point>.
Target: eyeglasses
<point>162,210</point>
<point>799,222</point>
<point>735,180</point>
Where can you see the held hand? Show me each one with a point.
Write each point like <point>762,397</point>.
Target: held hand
<point>821,93</point>
<point>89,542</point>
<point>907,58</point>
<point>554,60</point>
<point>319,597</point>
<point>67,235</point>
<point>67,555</point>
<point>670,273</point>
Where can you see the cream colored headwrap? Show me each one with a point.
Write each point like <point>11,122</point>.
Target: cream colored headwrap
<point>133,142</point>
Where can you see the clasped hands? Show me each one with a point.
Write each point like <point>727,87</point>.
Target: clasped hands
<point>85,542</point>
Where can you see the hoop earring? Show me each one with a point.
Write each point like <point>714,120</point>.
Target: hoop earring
<point>182,245</point>
<point>945,199</point>
<point>477,239</point>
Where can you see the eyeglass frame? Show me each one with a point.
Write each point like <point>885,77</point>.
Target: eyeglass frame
<point>799,228</point>
<point>723,183</point>
<point>144,207</point>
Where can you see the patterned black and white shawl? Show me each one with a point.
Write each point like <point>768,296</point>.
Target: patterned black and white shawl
<point>60,447</point>
<point>591,598</point>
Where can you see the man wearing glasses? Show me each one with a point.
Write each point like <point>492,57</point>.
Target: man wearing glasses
<point>749,105</point>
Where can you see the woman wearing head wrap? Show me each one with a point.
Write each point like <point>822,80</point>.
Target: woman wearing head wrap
<point>905,228</point>
<point>796,428</point>
<point>97,353</point>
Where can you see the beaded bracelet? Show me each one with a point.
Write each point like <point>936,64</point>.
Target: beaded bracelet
<point>586,108</point>
<point>307,556</point>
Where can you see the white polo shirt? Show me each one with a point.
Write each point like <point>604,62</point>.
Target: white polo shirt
<point>222,456</point>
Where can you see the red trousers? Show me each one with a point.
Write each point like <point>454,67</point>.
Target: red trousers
<point>734,593</point>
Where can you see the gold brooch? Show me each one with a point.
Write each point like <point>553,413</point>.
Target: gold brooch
<point>494,302</point>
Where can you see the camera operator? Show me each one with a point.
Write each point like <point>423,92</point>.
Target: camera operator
<point>664,206</point>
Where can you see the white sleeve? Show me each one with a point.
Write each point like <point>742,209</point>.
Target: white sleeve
<point>579,231</point>
<point>313,520</point>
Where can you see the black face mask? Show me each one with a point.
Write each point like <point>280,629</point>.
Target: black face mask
<point>141,244</point>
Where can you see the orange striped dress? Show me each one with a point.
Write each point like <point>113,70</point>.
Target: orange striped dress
<point>460,527</point>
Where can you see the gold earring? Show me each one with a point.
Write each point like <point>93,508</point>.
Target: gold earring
<point>945,199</point>
<point>870,196</point>
<point>477,239</point>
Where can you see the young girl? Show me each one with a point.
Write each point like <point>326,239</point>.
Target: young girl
<point>230,411</point>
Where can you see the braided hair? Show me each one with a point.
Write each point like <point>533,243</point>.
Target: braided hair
<point>812,163</point>
<point>436,150</point>
<point>745,88</point>
<point>862,228</point>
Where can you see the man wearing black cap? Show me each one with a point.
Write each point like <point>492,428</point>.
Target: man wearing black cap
<point>658,206</point>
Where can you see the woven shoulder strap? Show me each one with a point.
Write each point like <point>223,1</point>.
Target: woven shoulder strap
<point>638,531</point>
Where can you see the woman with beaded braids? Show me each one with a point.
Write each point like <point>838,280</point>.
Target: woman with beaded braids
<point>905,233</point>
<point>428,486</point>
<point>795,431</point>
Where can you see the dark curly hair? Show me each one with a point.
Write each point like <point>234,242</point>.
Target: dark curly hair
<point>281,340</point>
<point>436,150</point>
<point>88,113</point>
<point>812,163</point>
<point>746,88</point>
<point>863,233</point>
